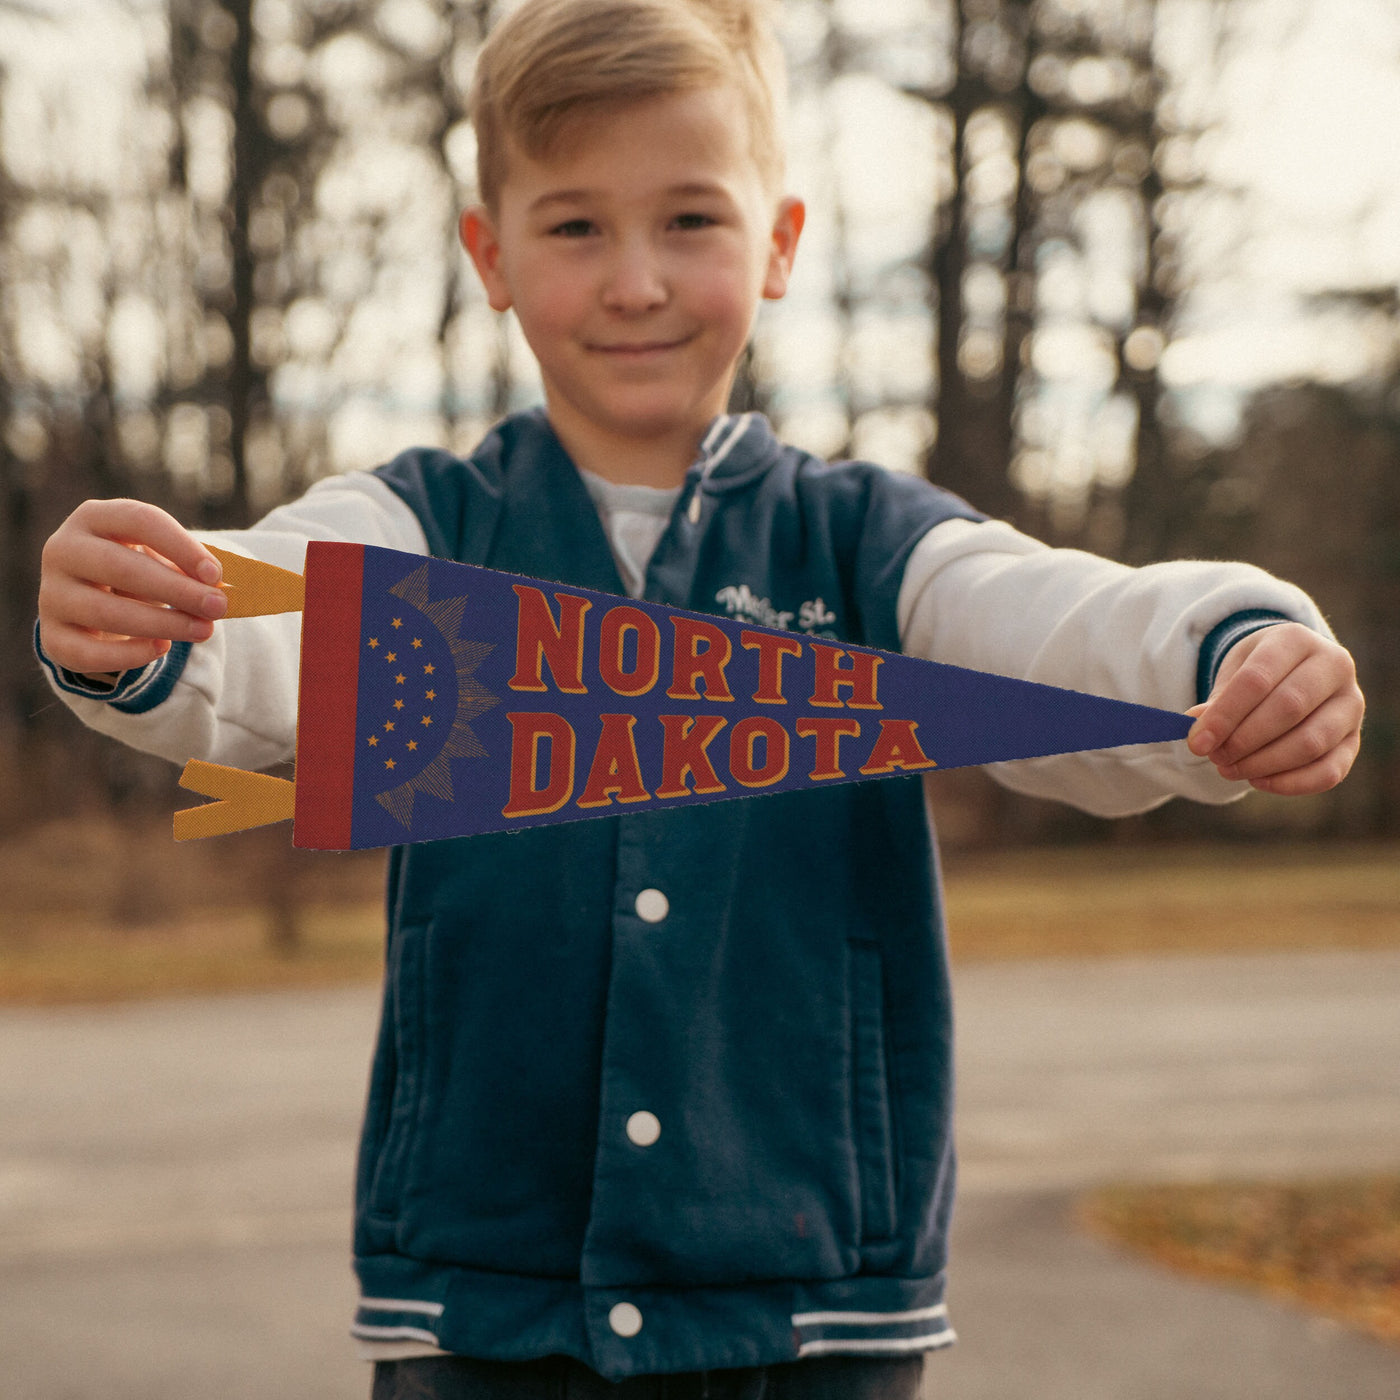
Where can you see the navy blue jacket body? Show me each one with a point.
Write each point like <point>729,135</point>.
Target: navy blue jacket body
<point>782,1013</point>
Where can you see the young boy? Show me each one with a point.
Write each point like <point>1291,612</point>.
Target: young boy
<point>669,1095</point>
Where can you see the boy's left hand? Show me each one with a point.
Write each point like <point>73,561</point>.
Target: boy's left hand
<point>1285,713</point>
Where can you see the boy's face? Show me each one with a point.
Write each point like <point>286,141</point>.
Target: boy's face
<point>635,258</point>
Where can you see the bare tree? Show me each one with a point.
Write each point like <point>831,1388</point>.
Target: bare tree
<point>978,244</point>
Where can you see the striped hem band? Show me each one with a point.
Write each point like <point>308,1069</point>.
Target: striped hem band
<point>873,1333</point>
<point>395,1320</point>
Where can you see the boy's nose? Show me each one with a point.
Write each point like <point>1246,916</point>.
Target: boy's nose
<point>635,280</point>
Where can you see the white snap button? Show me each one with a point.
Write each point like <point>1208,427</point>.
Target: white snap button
<point>644,1128</point>
<point>653,906</point>
<point>625,1319</point>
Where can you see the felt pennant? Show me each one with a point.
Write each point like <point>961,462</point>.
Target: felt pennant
<point>441,699</point>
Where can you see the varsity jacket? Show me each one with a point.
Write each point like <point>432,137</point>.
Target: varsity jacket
<point>669,1095</point>
<point>673,1091</point>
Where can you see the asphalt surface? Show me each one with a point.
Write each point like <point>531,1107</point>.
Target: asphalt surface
<point>175,1179</point>
<point>1076,1073</point>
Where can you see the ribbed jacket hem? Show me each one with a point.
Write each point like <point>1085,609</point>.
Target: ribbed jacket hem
<point>509,1317</point>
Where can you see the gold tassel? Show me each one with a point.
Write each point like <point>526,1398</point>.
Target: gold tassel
<point>256,589</point>
<point>246,800</point>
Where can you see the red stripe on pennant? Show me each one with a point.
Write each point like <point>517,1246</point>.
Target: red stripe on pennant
<point>330,676</point>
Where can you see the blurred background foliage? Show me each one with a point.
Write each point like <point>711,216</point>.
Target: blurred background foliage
<point>228,267</point>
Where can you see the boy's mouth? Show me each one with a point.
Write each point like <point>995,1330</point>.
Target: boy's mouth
<point>637,349</point>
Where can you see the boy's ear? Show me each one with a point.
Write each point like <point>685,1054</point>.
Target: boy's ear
<point>483,244</point>
<point>787,229</point>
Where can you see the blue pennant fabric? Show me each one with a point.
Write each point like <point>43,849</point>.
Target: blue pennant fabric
<point>441,699</point>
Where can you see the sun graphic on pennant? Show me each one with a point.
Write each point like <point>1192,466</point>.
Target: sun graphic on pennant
<point>421,668</point>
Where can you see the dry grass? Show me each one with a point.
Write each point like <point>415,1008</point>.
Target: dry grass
<point>204,952</point>
<point>90,911</point>
<point>1175,899</point>
<point>1333,1247</point>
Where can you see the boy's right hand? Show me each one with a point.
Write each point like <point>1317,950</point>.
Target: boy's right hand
<point>120,581</point>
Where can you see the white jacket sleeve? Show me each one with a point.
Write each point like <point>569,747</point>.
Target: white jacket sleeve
<point>985,596</point>
<point>235,700</point>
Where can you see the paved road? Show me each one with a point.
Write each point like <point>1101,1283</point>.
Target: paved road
<point>174,1180</point>
<point>1072,1073</point>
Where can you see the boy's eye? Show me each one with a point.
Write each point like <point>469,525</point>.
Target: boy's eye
<point>693,220</point>
<point>573,228</point>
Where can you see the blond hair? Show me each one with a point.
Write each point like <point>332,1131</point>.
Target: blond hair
<point>551,59</point>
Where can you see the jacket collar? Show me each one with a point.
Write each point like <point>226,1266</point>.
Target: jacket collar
<point>736,448</point>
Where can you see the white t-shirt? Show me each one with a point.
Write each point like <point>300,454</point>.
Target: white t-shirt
<point>634,518</point>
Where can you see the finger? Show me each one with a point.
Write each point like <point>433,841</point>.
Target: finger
<point>86,653</point>
<point>150,554</point>
<point>1240,690</point>
<point>1303,691</point>
<point>167,563</point>
<point>93,609</point>
<point>1329,726</point>
<point>1313,778</point>
<point>135,574</point>
<point>140,523</point>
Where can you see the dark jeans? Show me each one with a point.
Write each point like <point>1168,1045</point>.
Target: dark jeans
<point>561,1378</point>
